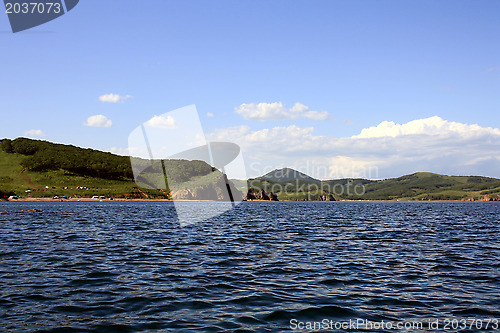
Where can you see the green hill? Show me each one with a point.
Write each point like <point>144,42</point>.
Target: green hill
<point>417,186</point>
<point>431,186</point>
<point>287,174</point>
<point>47,169</point>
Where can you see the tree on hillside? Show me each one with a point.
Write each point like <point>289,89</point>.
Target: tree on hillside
<point>6,145</point>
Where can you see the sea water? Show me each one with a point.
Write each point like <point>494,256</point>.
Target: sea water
<point>263,266</point>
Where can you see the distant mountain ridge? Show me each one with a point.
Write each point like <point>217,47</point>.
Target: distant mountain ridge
<point>287,174</point>
<point>296,185</point>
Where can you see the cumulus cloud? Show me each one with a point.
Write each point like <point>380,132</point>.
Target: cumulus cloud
<point>114,98</point>
<point>120,151</point>
<point>429,126</point>
<point>383,151</point>
<point>98,121</point>
<point>36,133</point>
<point>277,111</point>
<point>162,122</point>
<point>284,139</point>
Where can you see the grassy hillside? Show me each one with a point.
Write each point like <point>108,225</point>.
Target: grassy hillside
<point>425,186</point>
<point>47,170</point>
<point>15,179</point>
<point>417,186</point>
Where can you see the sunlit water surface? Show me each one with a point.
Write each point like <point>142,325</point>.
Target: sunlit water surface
<point>126,267</point>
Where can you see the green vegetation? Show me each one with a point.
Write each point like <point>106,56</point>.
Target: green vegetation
<point>431,186</point>
<point>46,170</point>
<point>292,190</point>
<point>43,156</point>
<point>417,186</point>
<point>16,180</point>
<point>34,168</point>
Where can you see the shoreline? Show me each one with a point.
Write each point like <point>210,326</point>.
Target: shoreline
<point>79,200</point>
<point>170,200</point>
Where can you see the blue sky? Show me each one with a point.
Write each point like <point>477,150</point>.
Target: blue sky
<point>360,62</point>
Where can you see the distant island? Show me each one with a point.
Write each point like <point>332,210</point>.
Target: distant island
<point>41,169</point>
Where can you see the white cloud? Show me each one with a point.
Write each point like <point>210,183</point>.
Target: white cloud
<point>162,122</point>
<point>283,139</point>
<point>120,151</point>
<point>98,121</point>
<point>383,151</point>
<point>210,114</point>
<point>114,98</point>
<point>36,133</point>
<point>429,126</point>
<point>277,111</point>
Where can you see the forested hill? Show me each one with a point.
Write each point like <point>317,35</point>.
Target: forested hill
<point>43,169</point>
<point>27,164</point>
<point>43,156</point>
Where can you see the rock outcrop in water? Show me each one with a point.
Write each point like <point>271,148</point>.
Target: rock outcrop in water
<point>261,195</point>
<point>250,195</point>
<point>328,197</point>
<point>324,197</point>
<point>273,197</point>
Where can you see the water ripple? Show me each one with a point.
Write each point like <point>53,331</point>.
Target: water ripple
<point>127,267</point>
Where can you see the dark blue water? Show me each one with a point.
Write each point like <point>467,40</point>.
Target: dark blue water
<point>126,267</point>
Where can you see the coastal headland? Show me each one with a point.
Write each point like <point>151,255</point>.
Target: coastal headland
<point>35,170</point>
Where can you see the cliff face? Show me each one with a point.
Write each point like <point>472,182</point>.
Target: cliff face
<point>489,198</point>
<point>212,187</point>
<point>328,197</point>
<point>485,198</point>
